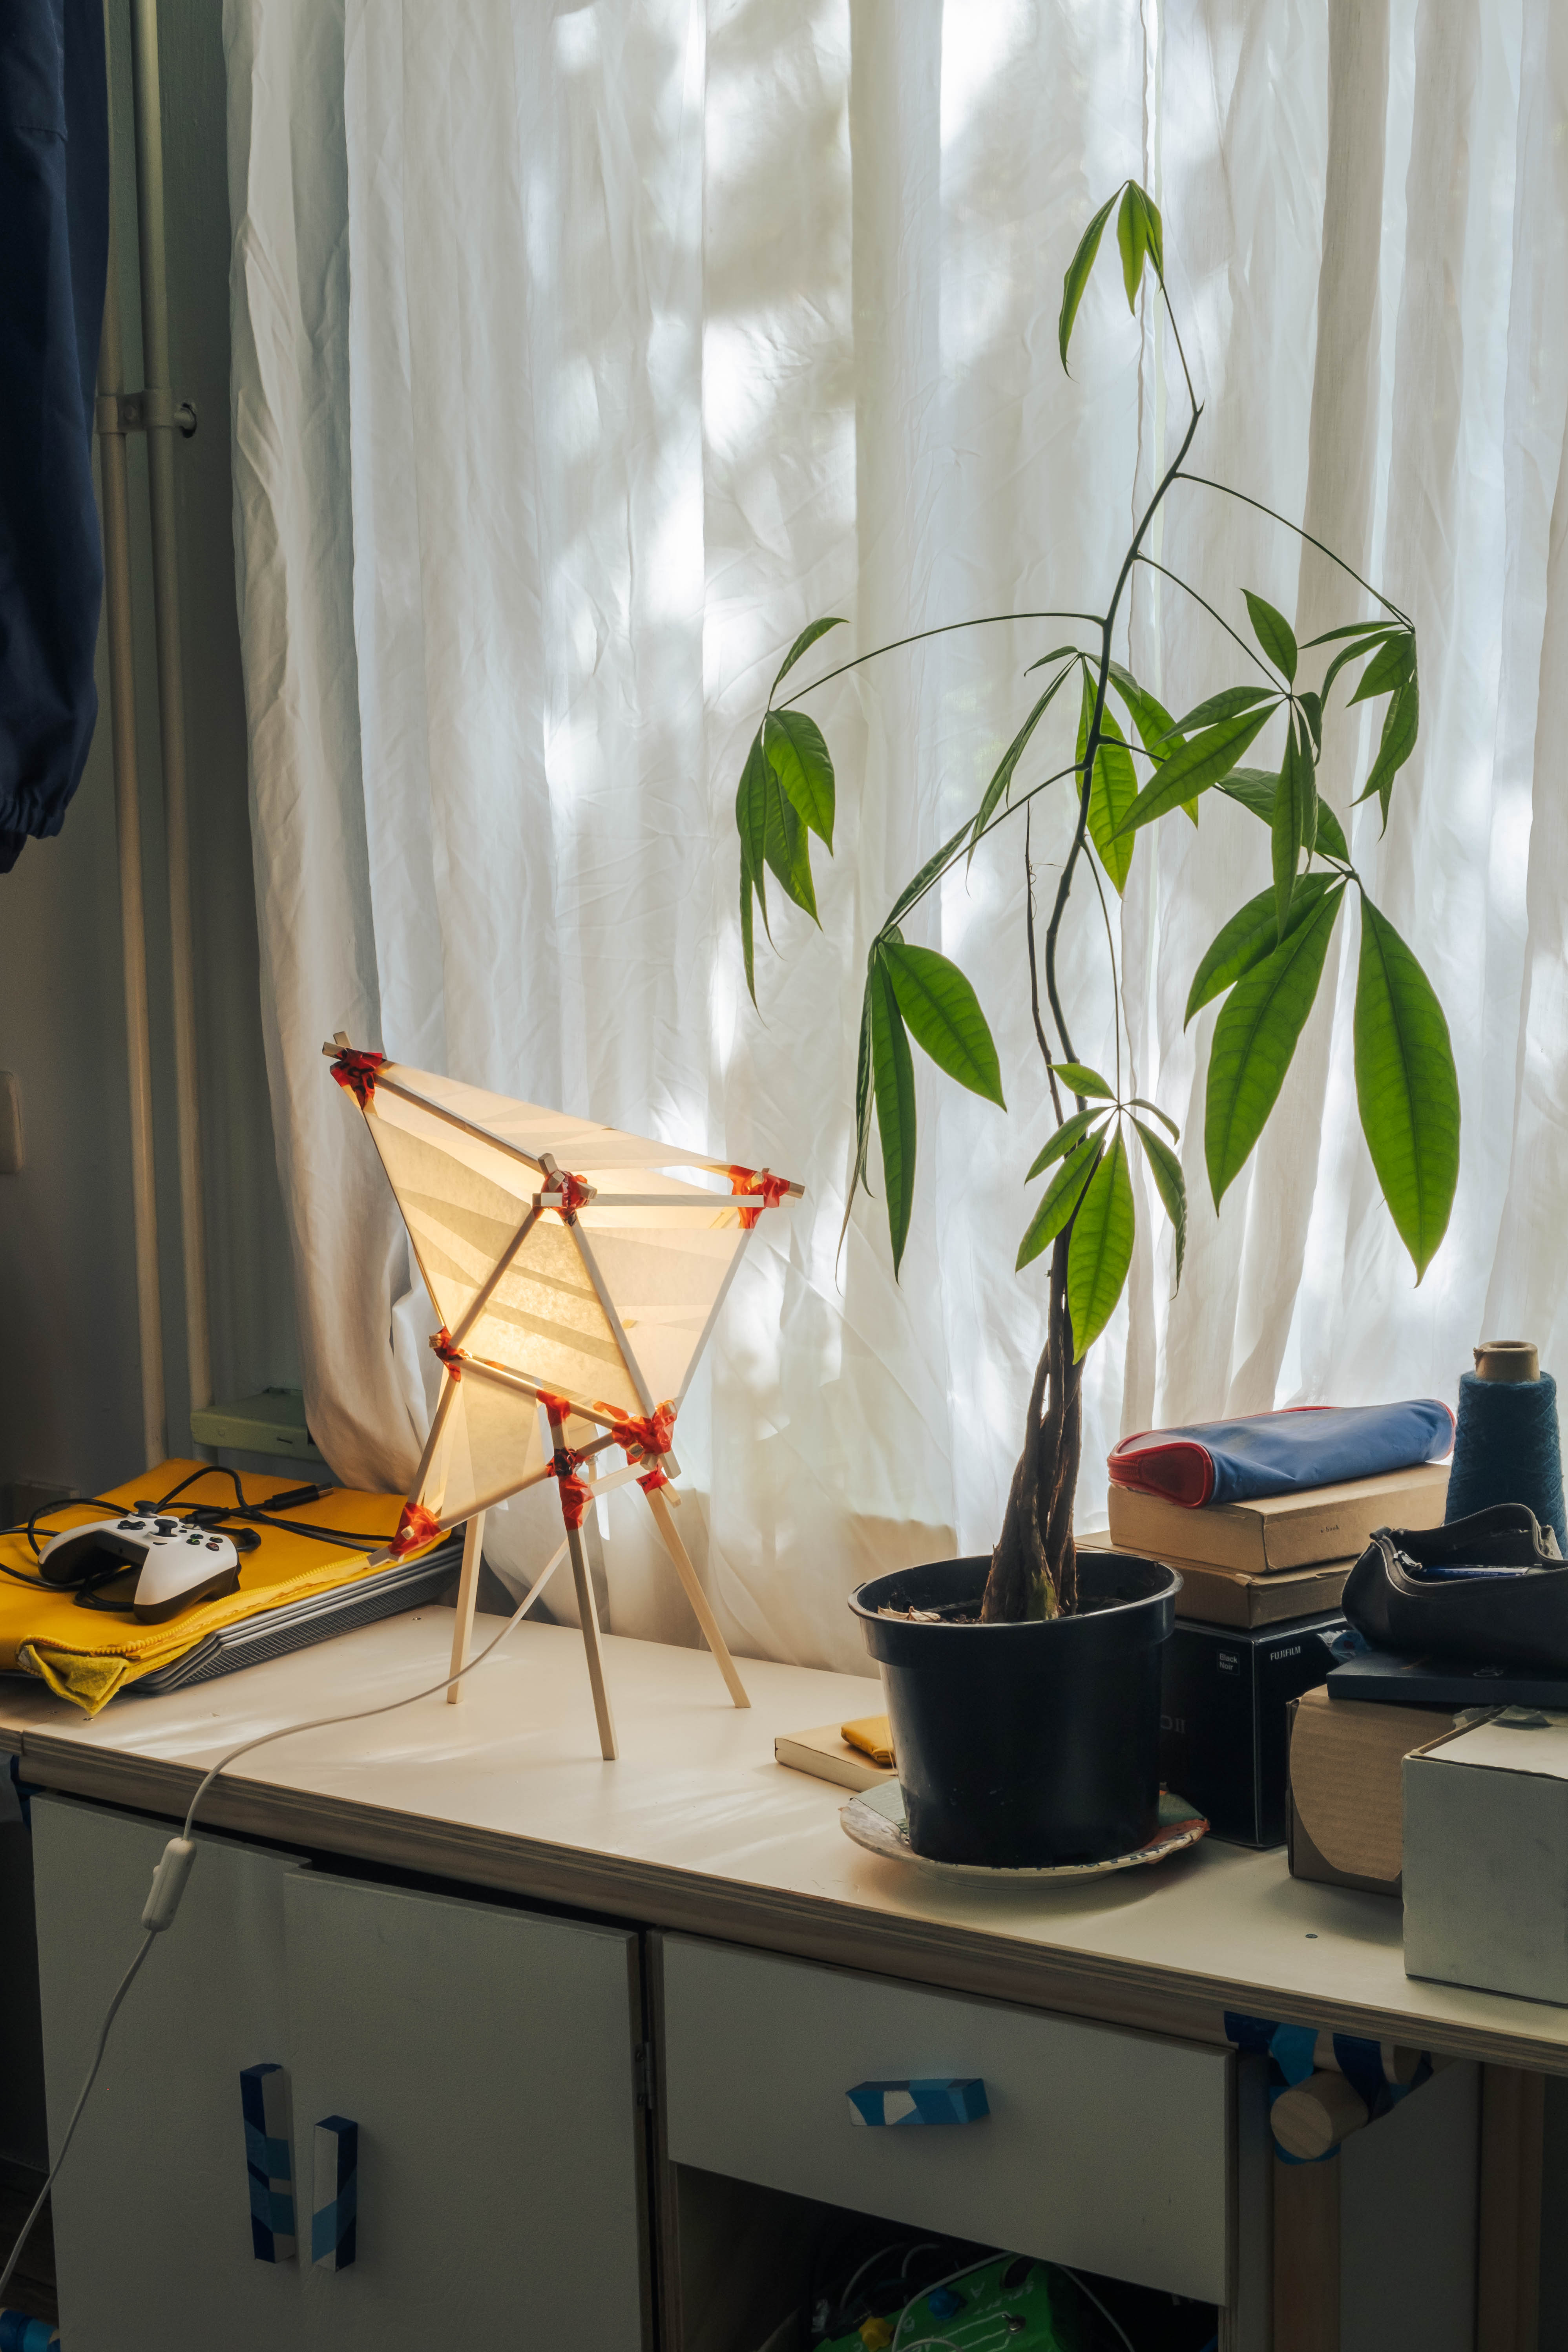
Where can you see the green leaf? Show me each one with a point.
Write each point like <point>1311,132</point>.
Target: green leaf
<point>1152,720</point>
<point>1100,1250</point>
<point>1057,653</point>
<point>1070,1132</point>
<point>863,1103</point>
<point>944,1014</point>
<point>1254,787</point>
<point>1077,276</point>
<point>748,941</point>
<point>799,759</point>
<point>1255,1039</point>
<point>1356,629</point>
<point>1225,704</point>
<point>1010,758</point>
<point>1171,1185</point>
<point>752,815</point>
<point>1199,763</point>
<point>1132,234</point>
<point>1274,634</point>
<point>1251,934</point>
<point>1331,841</point>
<point>1154,228</point>
<point>803,644</point>
<point>893,1076</point>
<point>1312,705</point>
<point>1110,796</point>
<point>927,875</point>
<point>1060,1197</point>
<point>1143,1103</point>
<point>1388,669</point>
<point>1405,1087</point>
<point>1294,823</point>
<point>1401,722</point>
<point>1354,651</point>
<point>785,847</point>
<point>1083,1080</point>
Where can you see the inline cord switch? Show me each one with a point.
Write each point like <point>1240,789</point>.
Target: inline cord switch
<point>169,1878</point>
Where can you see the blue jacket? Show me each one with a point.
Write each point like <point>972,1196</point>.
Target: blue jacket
<point>53,204</point>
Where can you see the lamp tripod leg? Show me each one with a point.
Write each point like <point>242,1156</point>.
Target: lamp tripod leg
<point>682,1558</point>
<point>468,1594</point>
<point>589,1619</point>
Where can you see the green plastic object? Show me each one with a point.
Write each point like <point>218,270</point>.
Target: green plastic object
<point>272,1423</point>
<point>1005,2304</point>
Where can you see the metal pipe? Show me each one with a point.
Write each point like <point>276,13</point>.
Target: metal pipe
<point>128,829</point>
<point>171,682</point>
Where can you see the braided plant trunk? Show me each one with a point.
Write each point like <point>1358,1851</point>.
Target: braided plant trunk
<point>1033,1569</point>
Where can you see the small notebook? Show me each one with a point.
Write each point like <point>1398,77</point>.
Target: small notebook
<point>825,1753</point>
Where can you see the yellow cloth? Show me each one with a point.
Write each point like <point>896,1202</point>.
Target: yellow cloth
<point>86,1656</point>
<point>873,1736</point>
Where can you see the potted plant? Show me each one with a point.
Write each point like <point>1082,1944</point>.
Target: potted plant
<point>1023,1689</point>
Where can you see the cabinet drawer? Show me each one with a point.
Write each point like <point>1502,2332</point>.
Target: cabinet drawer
<point>1103,2148</point>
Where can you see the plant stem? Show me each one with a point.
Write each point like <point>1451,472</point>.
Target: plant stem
<point>1034,1567</point>
<point>1177,581</point>
<point>1034,969</point>
<point>1202,482</point>
<point>987,621</point>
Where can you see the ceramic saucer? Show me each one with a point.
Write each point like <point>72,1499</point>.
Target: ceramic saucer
<point>875,1819</point>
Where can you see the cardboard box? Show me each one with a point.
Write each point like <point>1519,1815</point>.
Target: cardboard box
<point>1347,1758</point>
<point>1223,1719</point>
<point>1486,1856</point>
<point>1300,1530</point>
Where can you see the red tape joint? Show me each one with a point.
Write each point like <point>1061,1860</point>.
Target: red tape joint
<point>355,1072</point>
<point>757,1182</point>
<point>450,1355</point>
<point>566,1462</point>
<point>418,1526</point>
<point>572,1192</point>
<point>574,1492</point>
<point>650,1436</point>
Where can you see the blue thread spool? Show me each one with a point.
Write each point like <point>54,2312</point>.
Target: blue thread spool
<point>1507,1448</point>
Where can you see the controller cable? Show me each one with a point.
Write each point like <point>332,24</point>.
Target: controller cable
<point>210,1516</point>
<point>176,1863</point>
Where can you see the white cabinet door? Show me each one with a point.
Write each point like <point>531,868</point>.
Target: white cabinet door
<point>151,2211</point>
<point>487,2057</point>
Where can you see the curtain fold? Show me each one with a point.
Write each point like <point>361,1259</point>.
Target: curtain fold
<point>584,353</point>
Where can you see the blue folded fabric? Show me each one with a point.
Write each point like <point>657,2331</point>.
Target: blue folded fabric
<point>1282,1453</point>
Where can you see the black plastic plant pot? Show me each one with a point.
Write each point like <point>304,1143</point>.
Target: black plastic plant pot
<point>1021,1745</point>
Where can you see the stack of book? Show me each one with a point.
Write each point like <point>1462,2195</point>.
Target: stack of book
<point>1257,1614</point>
<point>1284,1556</point>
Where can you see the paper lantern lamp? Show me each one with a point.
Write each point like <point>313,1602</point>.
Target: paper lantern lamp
<point>574,1274</point>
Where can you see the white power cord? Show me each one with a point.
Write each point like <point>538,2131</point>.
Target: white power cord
<point>174,1869</point>
<point>126,1982</point>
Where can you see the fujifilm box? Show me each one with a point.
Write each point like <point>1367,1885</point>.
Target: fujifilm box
<point>1224,1736</point>
<point>1486,1856</point>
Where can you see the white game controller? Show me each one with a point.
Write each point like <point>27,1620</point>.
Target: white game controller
<point>180,1564</point>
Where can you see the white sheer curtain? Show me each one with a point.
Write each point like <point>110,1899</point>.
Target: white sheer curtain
<point>583,353</point>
